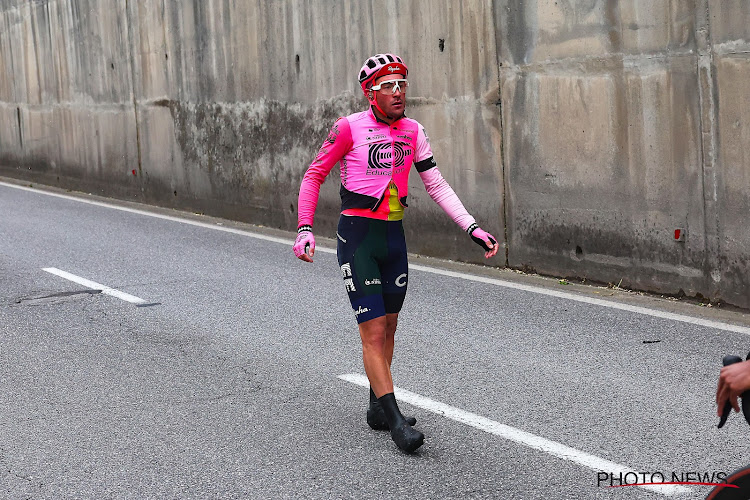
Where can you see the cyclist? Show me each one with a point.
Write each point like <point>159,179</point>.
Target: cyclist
<point>376,150</point>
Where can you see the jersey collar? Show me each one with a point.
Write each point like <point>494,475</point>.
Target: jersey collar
<point>375,117</point>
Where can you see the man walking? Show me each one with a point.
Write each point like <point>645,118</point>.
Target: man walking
<point>377,149</point>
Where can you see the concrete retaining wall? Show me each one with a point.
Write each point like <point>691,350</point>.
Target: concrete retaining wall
<point>595,127</point>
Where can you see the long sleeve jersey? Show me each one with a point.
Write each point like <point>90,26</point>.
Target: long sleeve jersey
<point>375,160</point>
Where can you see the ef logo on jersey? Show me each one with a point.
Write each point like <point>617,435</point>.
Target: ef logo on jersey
<point>385,155</point>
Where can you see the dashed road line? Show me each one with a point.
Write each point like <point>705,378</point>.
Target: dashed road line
<point>95,286</point>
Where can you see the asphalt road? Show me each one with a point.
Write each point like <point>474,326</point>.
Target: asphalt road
<point>225,381</point>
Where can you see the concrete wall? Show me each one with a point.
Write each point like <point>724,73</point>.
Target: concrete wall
<point>728,170</point>
<point>66,94</point>
<point>624,121</point>
<point>596,127</point>
<point>602,105</point>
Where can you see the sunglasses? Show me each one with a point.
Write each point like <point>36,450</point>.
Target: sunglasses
<point>390,87</point>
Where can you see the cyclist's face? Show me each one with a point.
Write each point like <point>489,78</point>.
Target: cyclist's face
<point>392,105</point>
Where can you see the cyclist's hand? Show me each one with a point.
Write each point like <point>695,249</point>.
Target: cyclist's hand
<point>304,245</point>
<point>484,240</point>
<point>733,381</point>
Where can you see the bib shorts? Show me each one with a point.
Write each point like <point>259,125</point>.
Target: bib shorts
<point>374,265</point>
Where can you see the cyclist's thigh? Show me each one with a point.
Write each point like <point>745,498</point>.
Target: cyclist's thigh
<point>360,243</point>
<point>395,268</point>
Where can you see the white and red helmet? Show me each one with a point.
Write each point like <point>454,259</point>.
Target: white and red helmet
<point>380,65</point>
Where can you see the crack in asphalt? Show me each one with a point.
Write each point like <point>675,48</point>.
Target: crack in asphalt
<point>206,399</point>
<point>51,298</point>
<point>19,476</point>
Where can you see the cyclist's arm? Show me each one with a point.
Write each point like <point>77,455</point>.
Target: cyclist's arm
<point>437,187</point>
<point>338,143</point>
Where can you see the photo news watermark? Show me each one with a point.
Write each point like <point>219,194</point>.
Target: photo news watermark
<point>633,478</point>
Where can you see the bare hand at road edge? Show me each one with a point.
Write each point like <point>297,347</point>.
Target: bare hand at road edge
<point>733,381</point>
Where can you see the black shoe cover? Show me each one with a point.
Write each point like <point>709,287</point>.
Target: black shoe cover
<point>404,435</point>
<point>407,437</point>
<point>376,418</point>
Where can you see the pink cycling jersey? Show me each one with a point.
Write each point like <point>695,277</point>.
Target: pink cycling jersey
<point>373,154</point>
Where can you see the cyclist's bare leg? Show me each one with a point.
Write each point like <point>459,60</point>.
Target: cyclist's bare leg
<point>375,354</point>
<point>391,322</point>
<point>371,335</point>
<point>375,416</point>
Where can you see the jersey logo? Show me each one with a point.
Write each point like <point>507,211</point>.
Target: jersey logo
<point>401,280</point>
<point>401,153</point>
<point>382,155</point>
<point>346,272</point>
<point>379,156</point>
<point>333,134</point>
<point>361,310</point>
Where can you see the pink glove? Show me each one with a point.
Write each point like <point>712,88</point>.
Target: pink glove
<point>483,239</point>
<point>304,245</point>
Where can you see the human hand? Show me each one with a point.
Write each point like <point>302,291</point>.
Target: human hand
<point>304,245</point>
<point>484,239</point>
<point>734,379</point>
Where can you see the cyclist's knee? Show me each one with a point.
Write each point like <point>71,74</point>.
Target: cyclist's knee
<point>373,333</point>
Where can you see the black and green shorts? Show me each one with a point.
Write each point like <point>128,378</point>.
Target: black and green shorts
<point>372,256</point>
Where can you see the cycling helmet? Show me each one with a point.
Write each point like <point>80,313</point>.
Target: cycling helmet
<point>380,65</point>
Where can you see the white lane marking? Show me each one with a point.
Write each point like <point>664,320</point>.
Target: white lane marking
<point>515,435</point>
<point>95,286</point>
<point>469,277</point>
<point>588,300</point>
<point>161,216</point>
